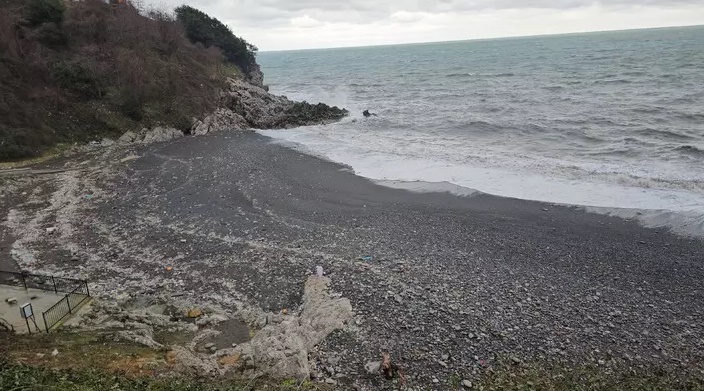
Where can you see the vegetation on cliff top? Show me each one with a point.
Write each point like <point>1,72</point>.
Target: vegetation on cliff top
<point>81,70</point>
<point>208,31</point>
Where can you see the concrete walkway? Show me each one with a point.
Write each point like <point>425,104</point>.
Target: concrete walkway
<point>40,300</point>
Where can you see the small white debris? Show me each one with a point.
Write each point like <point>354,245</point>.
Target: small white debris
<point>55,353</point>
<point>319,271</point>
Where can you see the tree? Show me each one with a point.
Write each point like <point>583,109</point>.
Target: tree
<point>45,11</point>
<point>201,28</point>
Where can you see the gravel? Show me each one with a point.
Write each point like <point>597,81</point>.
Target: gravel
<point>448,284</point>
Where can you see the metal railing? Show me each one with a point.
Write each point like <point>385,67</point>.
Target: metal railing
<point>37,281</point>
<point>75,293</point>
<point>66,306</point>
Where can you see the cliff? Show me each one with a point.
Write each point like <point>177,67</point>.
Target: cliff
<point>89,70</point>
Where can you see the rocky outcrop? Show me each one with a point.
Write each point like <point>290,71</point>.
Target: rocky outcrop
<point>221,119</point>
<point>281,348</point>
<point>160,134</point>
<point>244,105</point>
<point>145,136</point>
<point>256,76</point>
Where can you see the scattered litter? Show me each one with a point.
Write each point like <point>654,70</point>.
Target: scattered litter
<point>51,230</point>
<point>284,311</point>
<point>55,353</point>
<point>128,158</point>
<point>88,196</point>
<point>366,258</point>
<point>183,240</point>
<point>11,300</point>
<point>194,313</point>
<point>40,355</point>
<point>319,271</point>
<point>169,268</point>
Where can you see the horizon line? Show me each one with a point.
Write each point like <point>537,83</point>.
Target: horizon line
<point>485,38</point>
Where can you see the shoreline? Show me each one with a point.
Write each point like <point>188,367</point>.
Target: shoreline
<point>453,282</point>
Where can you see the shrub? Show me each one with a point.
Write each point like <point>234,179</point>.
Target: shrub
<point>75,74</point>
<point>201,28</point>
<point>45,11</point>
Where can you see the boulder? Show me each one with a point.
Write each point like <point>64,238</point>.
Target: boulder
<point>281,349</point>
<point>221,119</point>
<point>127,138</point>
<point>160,134</point>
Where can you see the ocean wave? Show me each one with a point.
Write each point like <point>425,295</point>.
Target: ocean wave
<point>634,73</point>
<point>554,88</point>
<point>480,126</point>
<point>659,133</point>
<point>367,85</point>
<point>613,81</point>
<point>691,116</point>
<point>690,149</point>
<point>470,74</point>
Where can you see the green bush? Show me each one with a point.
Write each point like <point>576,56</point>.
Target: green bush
<point>45,11</point>
<point>201,28</point>
<point>75,75</point>
<point>16,143</point>
<point>50,35</point>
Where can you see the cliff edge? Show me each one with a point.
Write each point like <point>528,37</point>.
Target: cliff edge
<point>89,70</point>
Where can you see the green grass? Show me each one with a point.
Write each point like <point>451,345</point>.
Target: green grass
<point>93,361</point>
<point>14,377</point>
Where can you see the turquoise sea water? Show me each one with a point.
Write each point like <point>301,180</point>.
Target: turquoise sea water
<point>613,119</point>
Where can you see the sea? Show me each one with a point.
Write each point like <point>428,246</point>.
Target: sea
<point>609,121</point>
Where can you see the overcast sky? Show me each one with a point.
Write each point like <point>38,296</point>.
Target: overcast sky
<point>302,24</point>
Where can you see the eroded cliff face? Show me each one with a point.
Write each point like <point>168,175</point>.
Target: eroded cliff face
<point>256,77</point>
<point>247,105</point>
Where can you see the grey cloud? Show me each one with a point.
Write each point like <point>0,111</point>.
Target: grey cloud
<point>277,13</point>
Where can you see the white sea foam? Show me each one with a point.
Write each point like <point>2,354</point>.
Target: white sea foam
<point>593,120</point>
<point>401,164</point>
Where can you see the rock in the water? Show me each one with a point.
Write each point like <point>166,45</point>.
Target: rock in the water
<point>209,345</point>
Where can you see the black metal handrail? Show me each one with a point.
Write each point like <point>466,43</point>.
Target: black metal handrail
<point>75,291</point>
<point>67,305</point>
<point>38,281</point>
